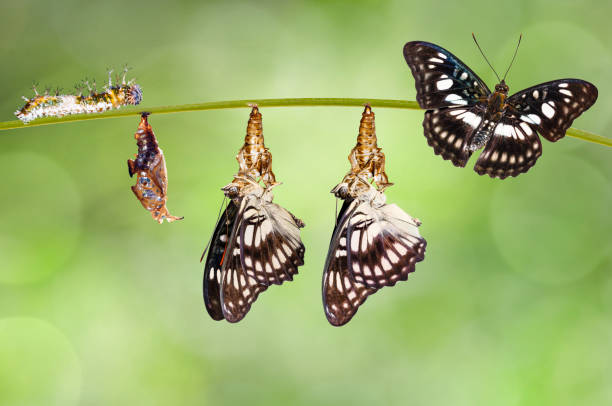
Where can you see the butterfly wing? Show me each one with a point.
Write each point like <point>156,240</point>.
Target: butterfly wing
<point>215,259</point>
<point>270,243</point>
<point>266,248</point>
<point>342,296</point>
<point>237,291</point>
<point>551,107</point>
<point>371,247</point>
<point>548,109</point>
<point>514,147</point>
<point>384,245</point>
<point>441,79</point>
<point>450,130</point>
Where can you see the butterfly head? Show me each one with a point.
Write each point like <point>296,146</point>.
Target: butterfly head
<point>502,87</point>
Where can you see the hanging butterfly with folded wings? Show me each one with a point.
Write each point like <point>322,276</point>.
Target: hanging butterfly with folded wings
<point>374,244</point>
<point>256,243</point>
<point>463,115</point>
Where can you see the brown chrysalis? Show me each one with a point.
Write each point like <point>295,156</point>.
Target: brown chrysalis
<point>151,186</point>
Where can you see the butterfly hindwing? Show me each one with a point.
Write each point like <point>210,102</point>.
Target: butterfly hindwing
<point>449,131</point>
<point>384,245</point>
<point>441,79</point>
<point>270,243</point>
<point>215,259</point>
<point>512,149</point>
<point>552,106</point>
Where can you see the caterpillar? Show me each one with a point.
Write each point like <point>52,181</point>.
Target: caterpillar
<point>151,187</point>
<point>59,105</point>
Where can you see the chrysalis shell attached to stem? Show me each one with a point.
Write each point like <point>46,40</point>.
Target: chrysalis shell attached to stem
<point>367,161</point>
<point>151,186</point>
<point>254,160</point>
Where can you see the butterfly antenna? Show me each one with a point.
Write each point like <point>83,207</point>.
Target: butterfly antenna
<point>512,61</point>
<point>485,57</point>
<point>210,240</point>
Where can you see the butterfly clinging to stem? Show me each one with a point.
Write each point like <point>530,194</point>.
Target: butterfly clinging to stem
<point>463,115</point>
<point>374,244</point>
<point>256,242</point>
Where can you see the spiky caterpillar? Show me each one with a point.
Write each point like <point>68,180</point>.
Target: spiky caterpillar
<point>59,105</point>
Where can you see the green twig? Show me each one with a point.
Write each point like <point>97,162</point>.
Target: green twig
<point>232,104</point>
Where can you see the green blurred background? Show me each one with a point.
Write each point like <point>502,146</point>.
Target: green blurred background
<point>101,305</point>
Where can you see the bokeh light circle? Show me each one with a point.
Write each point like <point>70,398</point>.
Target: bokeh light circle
<point>40,220</point>
<point>38,365</point>
<point>546,223</point>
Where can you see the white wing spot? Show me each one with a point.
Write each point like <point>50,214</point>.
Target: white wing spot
<point>547,110</point>
<point>566,92</point>
<point>436,60</point>
<point>444,84</point>
<point>532,119</point>
<point>456,99</point>
<point>463,76</point>
<point>535,94</point>
<point>563,85</point>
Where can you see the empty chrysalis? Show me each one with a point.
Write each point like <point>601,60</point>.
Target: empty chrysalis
<point>256,243</point>
<point>59,105</point>
<point>151,186</point>
<point>374,244</point>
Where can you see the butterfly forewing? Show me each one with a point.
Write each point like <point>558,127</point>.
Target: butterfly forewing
<point>215,259</point>
<point>238,291</point>
<point>553,106</point>
<point>342,296</point>
<point>441,79</point>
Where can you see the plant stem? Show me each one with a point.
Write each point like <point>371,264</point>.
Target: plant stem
<point>232,104</point>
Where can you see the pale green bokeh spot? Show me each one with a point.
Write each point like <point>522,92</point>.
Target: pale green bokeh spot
<point>38,364</point>
<point>549,227</point>
<point>40,218</point>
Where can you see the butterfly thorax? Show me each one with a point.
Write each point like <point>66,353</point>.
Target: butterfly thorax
<point>494,109</point>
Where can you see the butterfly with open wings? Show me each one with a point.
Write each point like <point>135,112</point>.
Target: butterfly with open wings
<point>374,244</point>
<point>256,243</point>
<point>463,115</point>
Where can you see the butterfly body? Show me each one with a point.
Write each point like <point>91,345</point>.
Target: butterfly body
<point>374,244</point>
<point>463,115</point>
<point>256,243</point>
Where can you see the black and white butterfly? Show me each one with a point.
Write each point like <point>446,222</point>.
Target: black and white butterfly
<point>373,245</point>
<point>256,243</point>
<point>463,115</point>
